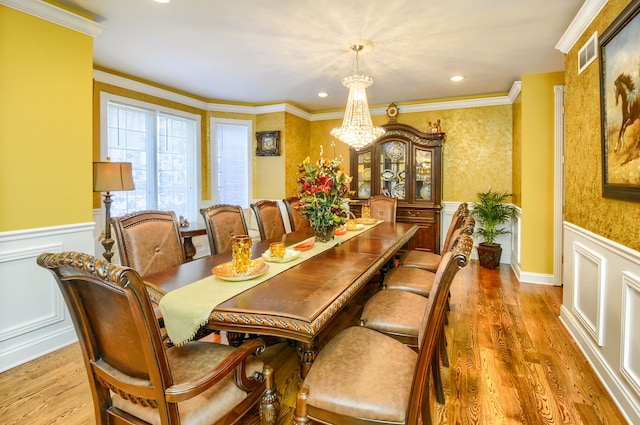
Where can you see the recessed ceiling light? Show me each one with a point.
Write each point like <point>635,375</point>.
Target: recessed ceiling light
<point>323,94</point>
<point>457,78</point>
<point>162,1</point>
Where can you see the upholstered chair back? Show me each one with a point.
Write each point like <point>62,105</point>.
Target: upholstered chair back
<point>149,241</point>
<point>269,218</point>
<point>383,207</point>
<point>223,222</point>
<point>296,219</point>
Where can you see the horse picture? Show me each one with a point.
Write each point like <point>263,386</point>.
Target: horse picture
<point>626,94</point>
<point>620,97</point>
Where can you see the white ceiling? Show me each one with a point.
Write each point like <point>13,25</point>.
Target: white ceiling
<point>271,51</point>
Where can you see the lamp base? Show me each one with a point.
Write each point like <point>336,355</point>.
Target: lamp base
<point>107,242</point>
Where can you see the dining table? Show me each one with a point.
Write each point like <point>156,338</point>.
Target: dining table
<point>297,302</point>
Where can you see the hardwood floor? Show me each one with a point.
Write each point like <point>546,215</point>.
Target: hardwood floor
<point>511,362</point>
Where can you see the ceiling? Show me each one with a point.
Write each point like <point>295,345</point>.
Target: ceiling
<point>271,51</point>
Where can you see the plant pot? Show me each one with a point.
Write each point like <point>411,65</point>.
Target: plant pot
<point>324,234</point>
<point>489,255</point>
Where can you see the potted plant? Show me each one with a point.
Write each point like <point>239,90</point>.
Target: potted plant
<point>491,211</point>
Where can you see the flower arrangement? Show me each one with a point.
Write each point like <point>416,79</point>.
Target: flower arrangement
<point>322,188</point>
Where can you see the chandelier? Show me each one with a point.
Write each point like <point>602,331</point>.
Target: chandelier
<point>357,129</point>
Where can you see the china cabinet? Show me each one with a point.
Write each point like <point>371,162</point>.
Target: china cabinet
<point>407,164</point>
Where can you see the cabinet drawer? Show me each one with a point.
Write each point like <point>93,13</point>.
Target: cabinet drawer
<point>416,214</point>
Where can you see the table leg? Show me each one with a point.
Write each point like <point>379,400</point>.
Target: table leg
<point>235,338</point>
<point>307,353</point>
<point>189,248</point>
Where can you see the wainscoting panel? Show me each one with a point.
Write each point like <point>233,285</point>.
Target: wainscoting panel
<point>601,310</point>
<point>588,286</point>
<point>33,316</point>
<point>630,330</point>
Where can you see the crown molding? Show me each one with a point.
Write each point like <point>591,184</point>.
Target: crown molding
<point>127,83</point>
<point>422,107</point>
<point>56,15</point>
<point>582,20</point>
<point>516,88</point>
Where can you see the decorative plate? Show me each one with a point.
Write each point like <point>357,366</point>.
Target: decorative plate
<point>394,150</point>
<point>289,254</point>
<point>398,191</point>
<point>366,174</point>
<point>367,221</point>
<point>366,157</point>
<point>364,191</point>
<point>342,230</point>
<point>402,174</point>
<point>387,175</point>
<point>305,245</point>
<point>224,271</point>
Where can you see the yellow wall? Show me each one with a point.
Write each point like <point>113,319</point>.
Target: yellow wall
<point>584,204</point>
<point>269,171</point>
<point>45,134</point>
<point>537,163</point>
<point>475,137</point>
<point>297,131</point>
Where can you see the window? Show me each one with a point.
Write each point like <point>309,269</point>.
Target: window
<point>162,145</point>
<point>231,181</point>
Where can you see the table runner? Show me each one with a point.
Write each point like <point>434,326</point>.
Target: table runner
<point>187,309</point>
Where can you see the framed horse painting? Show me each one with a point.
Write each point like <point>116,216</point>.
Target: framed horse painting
<point>620,103</point>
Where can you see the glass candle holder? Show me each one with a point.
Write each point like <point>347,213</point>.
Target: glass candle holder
<point>241,255</point>
<point>277,249</point>
<point>366,211</point>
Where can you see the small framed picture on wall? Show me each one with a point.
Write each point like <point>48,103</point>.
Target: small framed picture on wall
<point>268,143</point>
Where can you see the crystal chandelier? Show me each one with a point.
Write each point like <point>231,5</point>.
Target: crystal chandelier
<point>357,129</point>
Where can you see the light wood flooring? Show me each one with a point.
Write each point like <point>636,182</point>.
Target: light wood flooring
<point>511,362</point>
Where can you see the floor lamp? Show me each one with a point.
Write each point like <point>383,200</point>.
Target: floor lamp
<point>110,177</point>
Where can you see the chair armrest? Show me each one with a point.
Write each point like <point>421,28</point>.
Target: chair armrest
<point>185,391</point>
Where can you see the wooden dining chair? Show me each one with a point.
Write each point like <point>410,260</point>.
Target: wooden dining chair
<point>383,208</point>
<point>430,260</point>
<point>366,377</point>
<point>149,241</point>
<point>269,218</point>
<point>223,222</point>
<point>296,219</point>
<point>398,313</point>
<point>132,377</point>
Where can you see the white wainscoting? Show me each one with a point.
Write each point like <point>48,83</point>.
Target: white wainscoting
<point>601,310</point>
<point>33,316</point>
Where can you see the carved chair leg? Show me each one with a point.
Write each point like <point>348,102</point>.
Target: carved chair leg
<point>269,404</point>
<point>300,417</point>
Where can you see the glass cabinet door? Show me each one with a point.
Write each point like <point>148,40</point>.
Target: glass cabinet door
<point>422,174</point>
<point>364,175</point>
<point>393,160</point>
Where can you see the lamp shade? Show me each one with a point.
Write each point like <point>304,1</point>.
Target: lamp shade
<point>112,176</point>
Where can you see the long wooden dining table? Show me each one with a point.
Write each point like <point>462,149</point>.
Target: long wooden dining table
<point>300,302</point>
